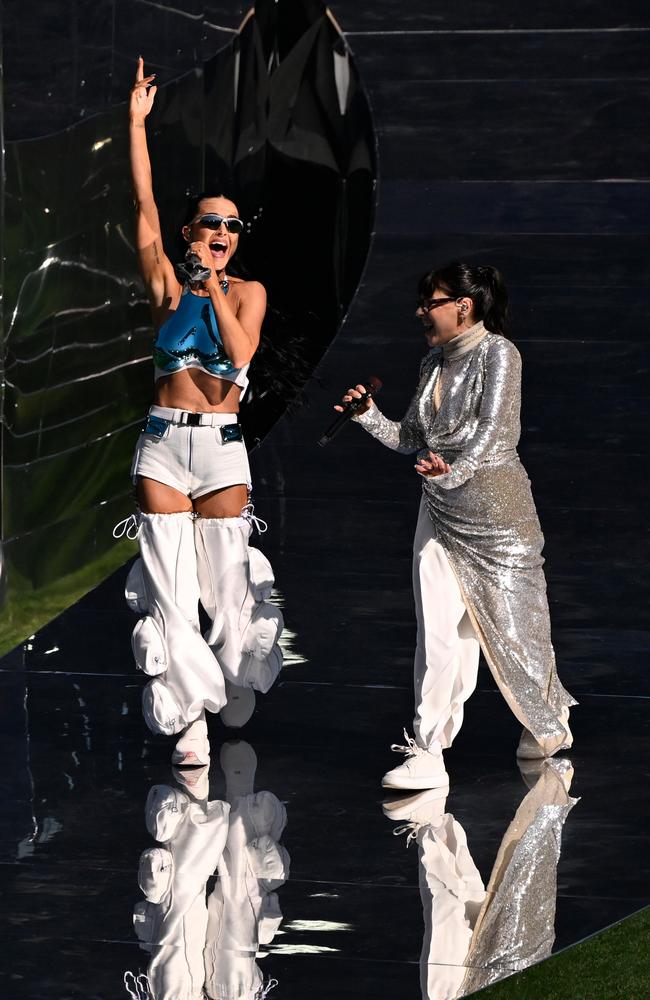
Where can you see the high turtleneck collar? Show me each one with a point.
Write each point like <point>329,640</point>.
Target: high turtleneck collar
<point>464,342</point>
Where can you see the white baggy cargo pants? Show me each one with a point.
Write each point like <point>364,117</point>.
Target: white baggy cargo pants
<point>184,559</point>
<point>447,650</point>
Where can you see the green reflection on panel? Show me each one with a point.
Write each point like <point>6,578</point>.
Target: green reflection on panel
<point>76,349</point>
<point>77,333</point>
<point>48,569</point>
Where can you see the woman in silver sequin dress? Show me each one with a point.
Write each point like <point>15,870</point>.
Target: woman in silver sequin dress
<point>477,570</point>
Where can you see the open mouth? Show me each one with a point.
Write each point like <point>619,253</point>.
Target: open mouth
<point>218,249</point>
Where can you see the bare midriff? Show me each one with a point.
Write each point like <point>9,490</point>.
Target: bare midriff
<point>194,390</point>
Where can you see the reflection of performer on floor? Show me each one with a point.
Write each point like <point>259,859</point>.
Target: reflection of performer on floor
<point>476,934</point>
<point>192,475</point>
<point>208,947</point>
<point>477,572</point>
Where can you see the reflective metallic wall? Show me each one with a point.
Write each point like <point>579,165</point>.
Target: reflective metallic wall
<point>275,114</point>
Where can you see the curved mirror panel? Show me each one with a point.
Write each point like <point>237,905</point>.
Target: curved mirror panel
<point>278,118</point>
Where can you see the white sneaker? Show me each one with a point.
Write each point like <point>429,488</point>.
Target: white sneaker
<point>422,811</point>
<point>424,767</point>
<point>421,806</point>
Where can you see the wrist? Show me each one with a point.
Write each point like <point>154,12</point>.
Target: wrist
<point>136,121</point>
<point>361,414</point>
<point>214,281</point>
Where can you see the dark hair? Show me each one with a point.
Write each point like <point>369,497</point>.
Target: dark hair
<point>195,200</point>
<point>191,211</point>
<point>480,282</point>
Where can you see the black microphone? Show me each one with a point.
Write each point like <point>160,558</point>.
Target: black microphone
<point>191,269</point>
<point>372,386</point>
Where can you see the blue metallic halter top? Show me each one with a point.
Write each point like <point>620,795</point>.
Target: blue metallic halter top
<point>190,339</point>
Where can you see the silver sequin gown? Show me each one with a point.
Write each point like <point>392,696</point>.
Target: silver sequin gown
<point>516,924</point>
<point>466,408</point>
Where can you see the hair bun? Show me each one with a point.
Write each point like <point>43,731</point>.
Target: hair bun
<point>481,282</point>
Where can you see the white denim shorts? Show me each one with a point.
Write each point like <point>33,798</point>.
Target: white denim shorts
<point>194,460</point>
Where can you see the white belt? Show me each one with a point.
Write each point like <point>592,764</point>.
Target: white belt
<point>187,418</point>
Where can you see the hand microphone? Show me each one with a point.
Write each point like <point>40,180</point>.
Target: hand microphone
<point>191,269</point>
<point>372,386</point>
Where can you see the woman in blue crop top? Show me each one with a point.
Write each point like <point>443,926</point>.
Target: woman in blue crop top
<point>192,476</point>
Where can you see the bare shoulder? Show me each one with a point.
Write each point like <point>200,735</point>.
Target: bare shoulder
<point>248,291</point>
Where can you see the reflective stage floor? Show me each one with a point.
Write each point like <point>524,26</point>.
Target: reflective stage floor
<point>365,912</point>
<point>495,146</point>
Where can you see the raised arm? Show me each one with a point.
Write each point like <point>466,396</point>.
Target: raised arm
<point>156,268</point>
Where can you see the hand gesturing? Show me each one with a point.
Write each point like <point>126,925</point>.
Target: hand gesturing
<point>142,93</point>
<point>431,465</point>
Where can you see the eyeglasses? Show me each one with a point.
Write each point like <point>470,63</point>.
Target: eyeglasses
<point>434,303</point>
<point>232,223</point>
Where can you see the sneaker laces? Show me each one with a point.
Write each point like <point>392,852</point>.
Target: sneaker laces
<point>411,749</point>
<point>248,513</point>
<point>265,989</point>
<point>129,527</point>
<point>413,827</point>
<point>137,986</point>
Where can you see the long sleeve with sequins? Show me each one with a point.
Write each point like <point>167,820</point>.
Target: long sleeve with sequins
<point>405,435</point>
<point>466,409</point>
<point>498,428</point>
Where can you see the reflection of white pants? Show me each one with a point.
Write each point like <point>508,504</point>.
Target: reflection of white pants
<point>452,893</point>
<point>447,651</point>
